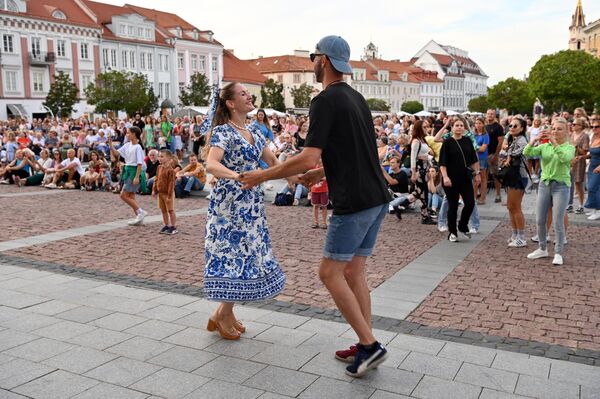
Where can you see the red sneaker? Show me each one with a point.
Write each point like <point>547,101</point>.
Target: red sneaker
<point>347,355</point>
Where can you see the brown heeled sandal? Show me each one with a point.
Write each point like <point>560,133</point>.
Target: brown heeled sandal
<point>239,326</point>
<point>214,325</point>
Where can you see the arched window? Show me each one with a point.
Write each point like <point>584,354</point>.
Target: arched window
<point>578,45</point>
<point>8,5</point>
<point>58,14</point>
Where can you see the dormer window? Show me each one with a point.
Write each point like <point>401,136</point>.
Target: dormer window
<point>178,31</point>
<point>58,14</point>
<point>8,5</point>
<point>195,34</point>
<point>404,77</point>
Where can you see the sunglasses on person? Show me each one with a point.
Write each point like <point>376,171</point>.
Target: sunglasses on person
<point>515,126</point>
<point>313,56</point>
<point>596,127</point>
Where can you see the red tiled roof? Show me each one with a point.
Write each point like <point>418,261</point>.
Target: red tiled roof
<point>104,12</point>
<point>283,63</point>
<point>236,70</point>
<point>371,73</point>
<point>444,60</point>
<point>167,20</point>
<point>43,9</point>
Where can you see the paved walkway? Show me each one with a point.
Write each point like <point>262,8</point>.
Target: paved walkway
<point>63,337</point>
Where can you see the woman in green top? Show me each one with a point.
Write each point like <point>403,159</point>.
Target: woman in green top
<point>166,130</point>
<point>556,154</point>
<point>149,134</point>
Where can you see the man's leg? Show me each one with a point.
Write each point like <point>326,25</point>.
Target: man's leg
<point>356,276</point>
<point>331,273</point>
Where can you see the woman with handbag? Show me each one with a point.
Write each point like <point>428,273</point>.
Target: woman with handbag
<point>419,165</point>
<point>458,165</point>
<point>517,141</point>
<point>556,154</point>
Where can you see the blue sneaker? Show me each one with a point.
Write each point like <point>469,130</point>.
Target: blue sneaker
<point>366,360</point>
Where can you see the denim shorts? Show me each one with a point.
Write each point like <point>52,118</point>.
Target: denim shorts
<point>521,184</point>
<point>483,163</point>
<point>353,234</point>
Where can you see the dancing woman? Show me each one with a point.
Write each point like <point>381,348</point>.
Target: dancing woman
<point>240,265</point>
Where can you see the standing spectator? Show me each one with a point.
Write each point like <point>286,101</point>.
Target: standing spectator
<point>457,161</point>
<point>593,201</point>
<point>483,141</point>
<point>198,139</point>
<point>419,165</point>
<point>319,199</point>
<point>164,187</point>
<point>553,191</point>
<point>517,142</point>
<point>496,133</point>
<point>534,163</point>
<point>581,141</point>
<point>138,122</point>
<point>178,138</point>
<point>11,146</point>
<point>149,134</point>
<point>166,133</point>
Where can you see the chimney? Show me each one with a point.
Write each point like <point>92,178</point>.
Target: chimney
<point>302,53</point>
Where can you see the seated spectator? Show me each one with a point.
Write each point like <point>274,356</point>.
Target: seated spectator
<point>89,180</point>
<point>436,191</point>
<point>192,177</point>
<point>38,143</point>
<point>11,146</point>
<point>398,184</point>
<point>115,174</point>
<point>151,168</point>
<point>49,172</point>
<point>18,169</point>
<point>66,143</point>
<point>37,167</point>
<point>23,140</point>
<point>83,148</point>
<point>101,144</point>
<point>69,172</point>
<point>52,140</point>
<point>298,190</point>
<point>285,147</point>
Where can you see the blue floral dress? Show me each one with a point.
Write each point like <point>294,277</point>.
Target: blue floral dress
<point>240,265</point>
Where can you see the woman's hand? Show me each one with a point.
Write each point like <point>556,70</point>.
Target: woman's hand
<point>136,181</point>
<point>413,176</point>
<point>597,170</point>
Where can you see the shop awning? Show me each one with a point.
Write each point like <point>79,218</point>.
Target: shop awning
<point>17,109</point>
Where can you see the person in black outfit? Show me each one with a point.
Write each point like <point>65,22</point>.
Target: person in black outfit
<point>457,155</point>
<point>496,133</point>
<point>139,122</point>
<point>341,133</point>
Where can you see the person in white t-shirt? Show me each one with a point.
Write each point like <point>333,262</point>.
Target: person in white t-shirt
<point>69,172</point>
<point>133,177</point>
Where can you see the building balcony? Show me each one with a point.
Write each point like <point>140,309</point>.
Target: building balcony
<point>42,58</point>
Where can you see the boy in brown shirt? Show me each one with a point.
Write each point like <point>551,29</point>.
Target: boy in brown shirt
<point>164,186</point>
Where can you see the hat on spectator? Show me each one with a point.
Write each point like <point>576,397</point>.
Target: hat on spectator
<point>338,52</point>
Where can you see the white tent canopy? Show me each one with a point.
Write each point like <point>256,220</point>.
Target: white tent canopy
<point>268,111</point>
<point>423,113</point>
<point>402,113</point>
<point>451,113</point>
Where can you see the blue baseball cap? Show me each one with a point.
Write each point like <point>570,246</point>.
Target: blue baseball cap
<point>338,52</point>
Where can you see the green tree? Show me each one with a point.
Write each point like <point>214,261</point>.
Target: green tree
<point>62,95</point>
<point>197,92</point>
<point>122,91</point>
<point>513,95</point>
<point>302,95</point>
<point>412,107</point>
<point>566,80</point>
<point>479,104</point>
<point>376,104</point>
<point>272,95</point>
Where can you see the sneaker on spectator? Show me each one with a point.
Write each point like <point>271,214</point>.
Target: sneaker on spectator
<point>535,179</point>
<point>535,238</point>
<point>452,238</point>
<point>366,360</point>
<point>3,181</point>
<point>466,234</point>
<point>512,238</point>
<point>538,253</point>
<point>51,185</point>
<point>296,202</point>
<point>579,211</point>
<point>173,230</point>
<point>442,228</point>
<point>347,355</point>
<point>558,260</point>
<point>570,208</point>
<point>165,230</point>
<point>18,181</point>
<point>473,230</point>
<point>595,215</point>
<point>517,243</point>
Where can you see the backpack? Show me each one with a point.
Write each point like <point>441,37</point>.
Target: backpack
<point>282,199</point>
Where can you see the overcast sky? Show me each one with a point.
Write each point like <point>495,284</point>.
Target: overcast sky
<point>505,37</point>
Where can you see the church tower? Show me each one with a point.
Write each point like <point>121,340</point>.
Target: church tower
<point>371,52</point>
<point>576,36</point>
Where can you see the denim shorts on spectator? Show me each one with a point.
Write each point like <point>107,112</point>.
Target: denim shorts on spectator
<point>353,234</point>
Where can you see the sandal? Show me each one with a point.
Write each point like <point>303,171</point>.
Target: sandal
<point>315,226</point>
<point>215,326</point>
<point>324,227</point>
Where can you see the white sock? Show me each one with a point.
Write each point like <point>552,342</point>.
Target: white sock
<point>139,210</point>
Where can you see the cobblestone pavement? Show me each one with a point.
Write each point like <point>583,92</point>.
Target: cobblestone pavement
<point>66,337</point>
<point>31,215</point>
<point>497,291</point>
<point>180,258</point>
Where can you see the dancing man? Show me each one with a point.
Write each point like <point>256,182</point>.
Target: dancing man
<point>341,133</point>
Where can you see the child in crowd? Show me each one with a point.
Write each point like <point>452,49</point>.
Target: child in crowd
<point>319,198</point>
<point>115,174</point>
<point>89,181</point>
<point>164,188</point>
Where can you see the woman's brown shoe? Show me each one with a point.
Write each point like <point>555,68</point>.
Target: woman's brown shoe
<point>230,335</point>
